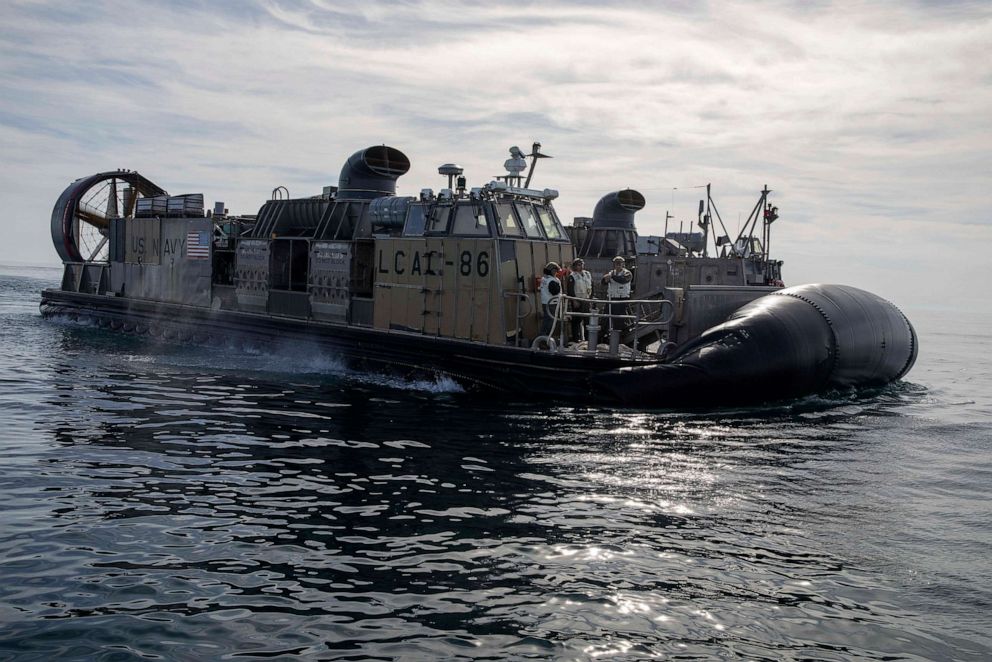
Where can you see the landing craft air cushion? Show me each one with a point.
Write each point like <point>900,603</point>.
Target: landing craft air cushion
<point>447,283</point>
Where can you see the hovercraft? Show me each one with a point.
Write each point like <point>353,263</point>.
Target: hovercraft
<point>478,284</point>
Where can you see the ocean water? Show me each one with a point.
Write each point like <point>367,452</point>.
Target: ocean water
<point>195,503</point>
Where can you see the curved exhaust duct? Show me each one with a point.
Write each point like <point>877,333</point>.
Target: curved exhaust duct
<point>616,210</point>
<point>372,173</point>
<point>612,231</point>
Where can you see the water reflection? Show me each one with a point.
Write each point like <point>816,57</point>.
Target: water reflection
<point>192,503</point>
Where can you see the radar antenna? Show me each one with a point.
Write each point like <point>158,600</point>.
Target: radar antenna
<point>452,170</point>
<point>517,163</point>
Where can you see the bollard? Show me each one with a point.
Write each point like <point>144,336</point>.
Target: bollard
<point>614,342</point>
<point>592,330</point>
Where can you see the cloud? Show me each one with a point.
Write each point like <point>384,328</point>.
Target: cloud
<point>862,116</point>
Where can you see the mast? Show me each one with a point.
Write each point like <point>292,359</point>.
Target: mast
<point>710,204</point>
<point>535,154</point>
<point>705,222</point>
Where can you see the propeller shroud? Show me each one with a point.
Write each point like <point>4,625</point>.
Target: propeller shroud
<point>82,214</point>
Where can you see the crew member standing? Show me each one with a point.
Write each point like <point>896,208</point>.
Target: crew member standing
<point>579,285</point>
<point>550,288</point>
<point>618,290</point>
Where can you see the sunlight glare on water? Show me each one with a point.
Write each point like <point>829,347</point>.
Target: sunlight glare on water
<point>220,502</point>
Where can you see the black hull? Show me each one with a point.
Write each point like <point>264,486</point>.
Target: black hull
<point>789,344</point>
<point>474,366</point>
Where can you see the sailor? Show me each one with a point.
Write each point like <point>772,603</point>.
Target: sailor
<point>579,285</point>
<point>618,290</point>
<point>550,289</point>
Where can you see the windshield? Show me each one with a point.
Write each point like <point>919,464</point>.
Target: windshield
<point>439,219</point>
<point>548,223</point>
<point>529,220</point>
<point>415,221</point>
<point>470,220</point>
<point>508,220</point>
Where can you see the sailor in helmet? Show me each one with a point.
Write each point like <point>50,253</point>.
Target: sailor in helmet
<point>618,284</point>
<point>550,289</point>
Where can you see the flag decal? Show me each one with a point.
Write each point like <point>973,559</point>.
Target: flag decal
<point>197,245</point>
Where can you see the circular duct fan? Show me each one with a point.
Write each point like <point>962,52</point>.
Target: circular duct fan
<point>82,215</point>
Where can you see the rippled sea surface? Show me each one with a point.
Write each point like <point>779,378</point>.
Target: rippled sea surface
<point>168,502</point>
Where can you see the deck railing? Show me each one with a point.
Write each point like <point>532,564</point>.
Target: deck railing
<point>642,316</point>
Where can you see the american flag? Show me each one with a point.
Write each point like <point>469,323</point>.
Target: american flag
<point>197,245</point>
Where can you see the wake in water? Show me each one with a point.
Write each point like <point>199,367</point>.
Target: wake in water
<point>242,354</point>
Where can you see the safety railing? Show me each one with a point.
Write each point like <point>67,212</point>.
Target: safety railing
<point>637,317</point>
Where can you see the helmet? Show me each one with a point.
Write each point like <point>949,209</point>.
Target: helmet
<point>619,258</point>
<point>577,261</point>
<point>551,268</point>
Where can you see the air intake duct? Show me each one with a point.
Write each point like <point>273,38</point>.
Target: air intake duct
<point>371,173</point>
<point>616,210</point>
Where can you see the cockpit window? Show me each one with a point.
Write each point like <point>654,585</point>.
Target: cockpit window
<point>508,220</point>
<point>548,223</point>
<point>529,220</point>
<point>439,219</point>
<point>470,219</point>
<point>415,222</point>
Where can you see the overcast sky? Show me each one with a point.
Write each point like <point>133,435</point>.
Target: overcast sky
<point>872,122</point>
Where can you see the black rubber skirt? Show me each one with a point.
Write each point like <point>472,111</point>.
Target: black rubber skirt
<point>788,344</point>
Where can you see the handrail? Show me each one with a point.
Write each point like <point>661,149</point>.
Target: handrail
<point>657,302</point>
<point>524,296</point>
<point>519,296</point>
<point>562,310</point>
